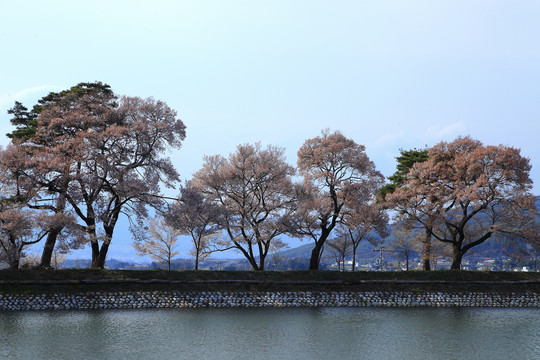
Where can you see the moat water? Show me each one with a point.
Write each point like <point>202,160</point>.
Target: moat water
<point>301,333</point>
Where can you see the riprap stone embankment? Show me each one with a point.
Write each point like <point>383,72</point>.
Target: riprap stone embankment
<point>209,299</point>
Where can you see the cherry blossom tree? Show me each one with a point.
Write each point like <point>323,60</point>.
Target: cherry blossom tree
<point>254,187</point>
<point>27,150</point>
<point>103,157</point>
<point>336,170</point>
<point>466,192</point>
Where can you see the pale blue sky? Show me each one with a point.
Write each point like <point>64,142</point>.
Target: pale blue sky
<point>389,74</point>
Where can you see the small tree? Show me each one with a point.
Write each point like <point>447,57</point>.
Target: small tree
<point>199,218</point>
<point>439,249</point>
<point>58,259</point>
<point>20,226</point>
<point>406,241</point>
<point>363,221</point>
<point>158,240</point>
<point>531,236</point>
<point>18,229</point>
<point>276,256</point>
<point>341,248</point>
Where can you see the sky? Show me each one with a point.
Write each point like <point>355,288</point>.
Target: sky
<point>388,74</point>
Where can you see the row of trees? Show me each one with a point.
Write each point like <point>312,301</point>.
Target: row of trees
<point>250,199</point>
<point>82,157</point>
<point>450,198</point>
<point>258,201</point>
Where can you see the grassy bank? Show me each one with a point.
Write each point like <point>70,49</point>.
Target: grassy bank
<point>86,280</point>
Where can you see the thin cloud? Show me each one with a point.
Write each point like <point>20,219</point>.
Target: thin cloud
<point>439,132</point>
<point>7,100</point>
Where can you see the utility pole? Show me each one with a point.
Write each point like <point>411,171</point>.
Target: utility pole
<point>380,250</point>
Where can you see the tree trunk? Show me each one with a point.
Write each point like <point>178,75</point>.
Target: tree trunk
<point>262,260</point>
<point>353,266</point>
<point>100,263</point>
<point>315,256</point>
<point>253,263</point>
<point>247,253</point>
<point>14,262</point>
<point>197,260</point>
<point>109,231</point>
<point>317,250</point>
<point>407,261</point>
<point>457,257</point>
<point>48,249</point>
<point>95,253</point>
<point>426,256</point>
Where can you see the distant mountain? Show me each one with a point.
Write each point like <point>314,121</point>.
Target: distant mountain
<point>110,264</point>
<point>76,263</point>
<point>304,251</point>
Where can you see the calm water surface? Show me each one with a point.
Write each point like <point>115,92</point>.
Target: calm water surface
<point>306,333</point>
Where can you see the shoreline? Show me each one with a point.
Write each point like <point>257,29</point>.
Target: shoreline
<point>263,299</point>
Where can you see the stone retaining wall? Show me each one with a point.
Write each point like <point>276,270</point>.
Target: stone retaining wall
<point>144,300</point>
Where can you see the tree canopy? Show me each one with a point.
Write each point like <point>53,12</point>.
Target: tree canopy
<point>336,171</point>
<point>26,122</point>
<point>405,162</point>
<point>201,219</point>
<point>254,187</point>
<point>100,155</point>
<point>466,192</point>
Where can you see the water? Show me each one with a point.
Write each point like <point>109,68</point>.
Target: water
<point>305,333</point>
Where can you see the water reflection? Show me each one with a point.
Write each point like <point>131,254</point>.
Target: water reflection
<point>308,333</point>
